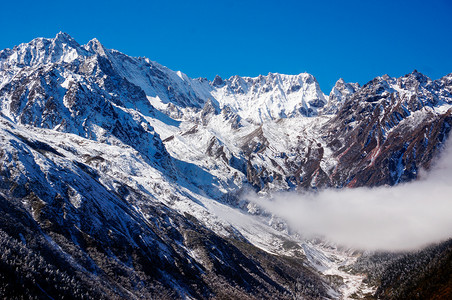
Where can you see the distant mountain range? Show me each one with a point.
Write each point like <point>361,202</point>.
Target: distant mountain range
<point>121,178</point>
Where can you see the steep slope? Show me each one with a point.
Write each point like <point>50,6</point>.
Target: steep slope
<point>270,97</point>
<point>425,274</point>
<point>132,175</point>
<point>384,133</point>
<point>118,239</point>
<point>339,94</point>
<point>389,129</point>
<point>421,274</point>
<point>57,84</point>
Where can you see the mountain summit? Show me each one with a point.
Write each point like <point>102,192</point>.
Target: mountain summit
<point>255,99</point>
<point>121,178</point>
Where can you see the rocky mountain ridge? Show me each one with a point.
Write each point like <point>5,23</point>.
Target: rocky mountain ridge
<point>124,167</point>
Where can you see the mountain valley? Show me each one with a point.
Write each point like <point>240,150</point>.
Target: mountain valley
<point>123,179</point>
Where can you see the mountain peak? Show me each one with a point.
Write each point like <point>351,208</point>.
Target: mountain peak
<point>42,51</point>
<point>417,76</point>
<point>64,38</point>
<point>95,41</point>
<point>116,164</point>
<point>339,82</point>
<point>217,81</point>
<point>63,35</point>
<point>95,46</point>
<point>341,91</point>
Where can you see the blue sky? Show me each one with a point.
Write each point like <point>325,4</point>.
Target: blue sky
<point>355,40</point>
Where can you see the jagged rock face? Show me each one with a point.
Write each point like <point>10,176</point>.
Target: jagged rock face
<point>388,130</point>
<point>41,51</point>
<point>207,111</point>
<point>383,133</point>
<point>339,94</point>
<point>82,94</point>
<point>270,97</point>
<point>134,169</point>
<point>71,213</point>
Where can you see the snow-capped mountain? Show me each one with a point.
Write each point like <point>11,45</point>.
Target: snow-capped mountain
<point>340,92</point>
<point>270,97</point>
<point>256,99</point>
<point>132,174</point>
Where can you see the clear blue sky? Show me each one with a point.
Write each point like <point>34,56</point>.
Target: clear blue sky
<point>355,40</point>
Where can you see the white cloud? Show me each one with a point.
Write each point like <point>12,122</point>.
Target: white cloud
<point>403,217</point>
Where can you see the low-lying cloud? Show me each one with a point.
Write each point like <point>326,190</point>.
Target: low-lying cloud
<point>403,217</point>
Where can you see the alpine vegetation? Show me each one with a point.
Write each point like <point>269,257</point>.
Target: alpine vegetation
<point>402,217</point>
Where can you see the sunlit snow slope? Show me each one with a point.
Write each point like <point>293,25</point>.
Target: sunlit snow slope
<point>122,166</point>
